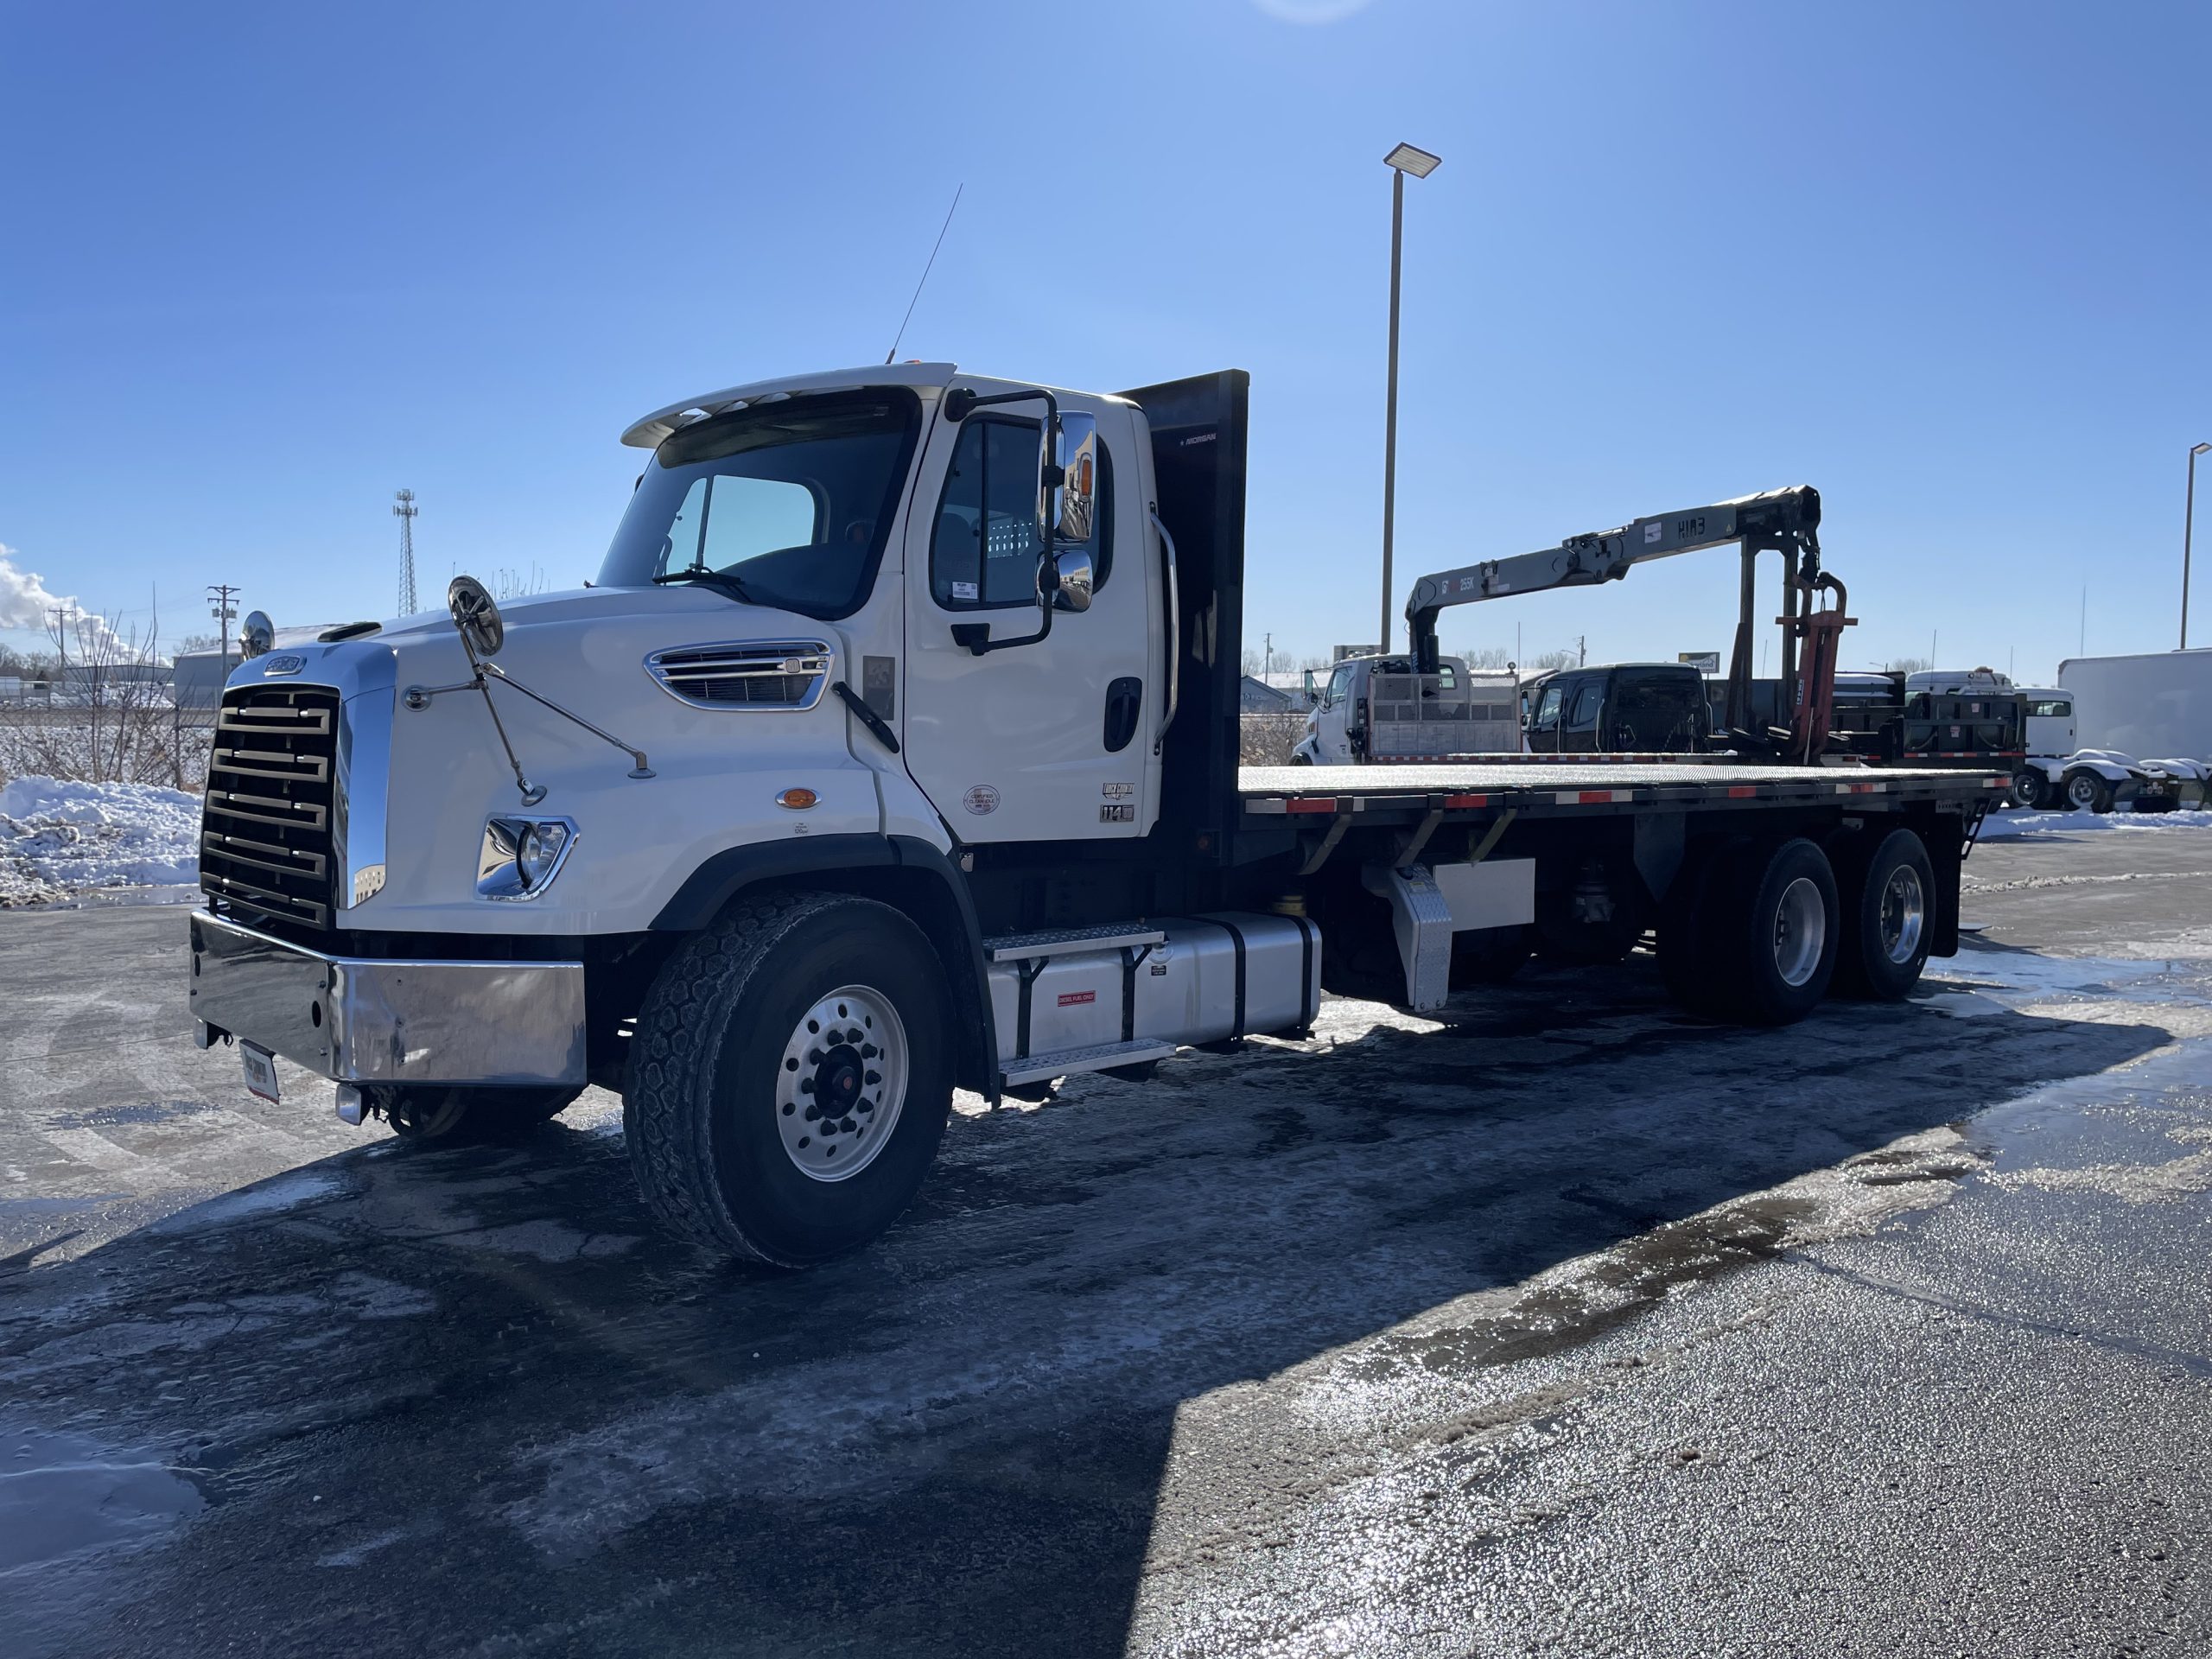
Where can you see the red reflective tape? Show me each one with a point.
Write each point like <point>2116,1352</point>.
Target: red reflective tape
<point>1742,791</point>
<point>1466,800</point>
<point>1326,803</point>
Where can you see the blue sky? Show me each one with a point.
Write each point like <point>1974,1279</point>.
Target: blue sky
<point>261,266</point>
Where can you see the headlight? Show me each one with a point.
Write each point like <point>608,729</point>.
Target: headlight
<point>520,856</point>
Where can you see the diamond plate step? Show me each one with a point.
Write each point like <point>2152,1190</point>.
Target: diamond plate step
<point>1020,947</point>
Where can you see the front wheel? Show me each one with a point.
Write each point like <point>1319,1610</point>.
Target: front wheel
<point>789,1077</point>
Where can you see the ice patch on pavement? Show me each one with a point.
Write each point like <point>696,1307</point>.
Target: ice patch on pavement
<point>58,838</point>
<point>2131,1183</point>
<point>66,1495</point>
<point>266,1199</point>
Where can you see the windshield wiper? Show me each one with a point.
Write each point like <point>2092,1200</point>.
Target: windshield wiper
<point>720,581</point>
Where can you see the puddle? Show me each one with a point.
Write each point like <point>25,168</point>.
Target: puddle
<point>64,1495</point>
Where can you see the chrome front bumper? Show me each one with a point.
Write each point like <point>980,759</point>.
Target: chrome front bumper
<point>388,1021</point>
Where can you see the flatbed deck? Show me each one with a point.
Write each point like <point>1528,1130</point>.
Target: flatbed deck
<point>1546,787</point>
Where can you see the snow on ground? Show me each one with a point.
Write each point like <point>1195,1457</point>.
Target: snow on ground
<point>2001,826</point>
<point>59,839</point>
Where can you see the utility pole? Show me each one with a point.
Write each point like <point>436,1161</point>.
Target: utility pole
<point>221,602</point>
<point>61,613</point>
<point>404,511</point>
<point>1581,649</point>
<point>1267,655</point>
<point>1402,161</point>
<point>2188,529</point>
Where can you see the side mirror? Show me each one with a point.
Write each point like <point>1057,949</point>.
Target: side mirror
<point>475,616</point>
<point>1072,575</point>
<point>1067,482</point>
<point>257,635</point>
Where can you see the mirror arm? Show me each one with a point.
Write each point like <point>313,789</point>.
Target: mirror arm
<point>976,636</point>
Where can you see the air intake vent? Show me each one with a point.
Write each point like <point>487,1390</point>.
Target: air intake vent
<point>265,831</point>
<point>745,674</point>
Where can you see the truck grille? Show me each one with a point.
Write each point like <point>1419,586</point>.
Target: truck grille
<point>766,673</point>
<point>265,833</point>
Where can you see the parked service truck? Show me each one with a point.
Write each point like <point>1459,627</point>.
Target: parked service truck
<point>894,749</point>
<point>1380,709</point>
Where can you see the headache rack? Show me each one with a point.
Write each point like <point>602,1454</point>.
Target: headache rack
<point>266,830</point>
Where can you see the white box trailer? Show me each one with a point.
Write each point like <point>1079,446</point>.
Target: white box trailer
<point>2157,705</point>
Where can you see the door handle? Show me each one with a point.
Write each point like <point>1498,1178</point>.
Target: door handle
<point>1124,697</point>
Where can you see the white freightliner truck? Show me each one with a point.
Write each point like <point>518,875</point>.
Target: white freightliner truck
<point>895,749</point>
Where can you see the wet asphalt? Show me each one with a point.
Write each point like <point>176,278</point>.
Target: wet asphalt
<point>1563,1324</point>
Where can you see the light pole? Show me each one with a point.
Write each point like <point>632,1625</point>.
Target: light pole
<point>1402,161</point>
<point>2188,527</point>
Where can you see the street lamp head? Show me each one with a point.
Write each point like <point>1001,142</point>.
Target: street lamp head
<point>1407,159</point>
<point>2201,448</point>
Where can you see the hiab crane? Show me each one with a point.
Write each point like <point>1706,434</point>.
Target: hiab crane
<point>1780,521</point>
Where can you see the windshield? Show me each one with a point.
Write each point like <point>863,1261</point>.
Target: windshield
<point>787,504</point>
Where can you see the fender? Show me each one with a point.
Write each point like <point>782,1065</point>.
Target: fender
<point>894,868</point>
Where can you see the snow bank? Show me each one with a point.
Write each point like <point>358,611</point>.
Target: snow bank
<point>58,838</point>
<point>2005,826</point>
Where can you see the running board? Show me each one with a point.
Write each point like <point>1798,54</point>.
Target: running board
<point>1027,947</point>
<point>1038,1068</point>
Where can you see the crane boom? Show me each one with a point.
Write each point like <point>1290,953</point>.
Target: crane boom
<point>1784,520</point>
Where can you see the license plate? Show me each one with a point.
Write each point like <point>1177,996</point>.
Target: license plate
<point>260,1071</point>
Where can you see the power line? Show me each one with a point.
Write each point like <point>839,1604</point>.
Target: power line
<point>404,511</point>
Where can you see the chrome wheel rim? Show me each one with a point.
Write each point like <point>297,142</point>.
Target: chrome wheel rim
<point>1800,930</point>
<point>2082,792</point>
<point>841,1083</point>
<point>1904,910</point>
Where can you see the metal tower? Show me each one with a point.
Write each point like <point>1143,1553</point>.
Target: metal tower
<point>404,511</point>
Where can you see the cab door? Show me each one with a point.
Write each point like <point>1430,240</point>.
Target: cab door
<point>1051,740</point>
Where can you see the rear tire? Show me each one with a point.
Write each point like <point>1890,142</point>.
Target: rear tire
<point>1888,916</point>
<point>2031,789</point>
<point>1774,934</point>
<point>735,1112</point>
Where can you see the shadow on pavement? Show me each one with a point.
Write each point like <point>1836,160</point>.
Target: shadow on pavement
<point>464,1401</point>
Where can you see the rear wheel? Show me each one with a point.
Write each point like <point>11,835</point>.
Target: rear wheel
<point>789,1077</point>
<point>1773,934</point>
<point>2086,792</point>
<point>2031,789</point>
<point>1887,917</point>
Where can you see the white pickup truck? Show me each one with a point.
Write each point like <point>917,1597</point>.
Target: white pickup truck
<point>1381,711</point>
<point>895,749</point>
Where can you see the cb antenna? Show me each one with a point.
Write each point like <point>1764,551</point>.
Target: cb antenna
<point>893,352</point>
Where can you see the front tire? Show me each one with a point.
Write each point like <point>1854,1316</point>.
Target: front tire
<point>799,1029</point>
